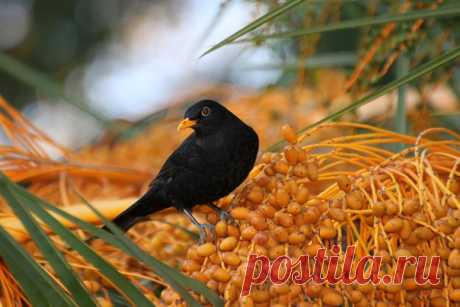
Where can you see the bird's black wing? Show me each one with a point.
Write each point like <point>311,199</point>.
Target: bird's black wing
<point>187,157</point>
<point>183,177</point>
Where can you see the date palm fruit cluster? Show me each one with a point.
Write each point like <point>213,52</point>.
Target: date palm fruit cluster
<point>344,191</point>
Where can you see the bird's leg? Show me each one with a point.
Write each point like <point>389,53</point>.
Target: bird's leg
<point>201,227</point>
<point>224,215</point>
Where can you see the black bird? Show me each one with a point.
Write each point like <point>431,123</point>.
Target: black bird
<point>208,165</point>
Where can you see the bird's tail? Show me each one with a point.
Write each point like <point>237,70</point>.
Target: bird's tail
<point>128,218</point>
<point>137,212</point>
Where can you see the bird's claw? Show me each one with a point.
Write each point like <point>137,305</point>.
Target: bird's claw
<point>227,218</point>
<point>204,230</point>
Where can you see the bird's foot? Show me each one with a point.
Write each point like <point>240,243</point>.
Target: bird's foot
<point>224,215</point>
<point>206,229</point>
<point>227,218</point>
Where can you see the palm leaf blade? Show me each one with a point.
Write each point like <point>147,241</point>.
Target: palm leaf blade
<point>54,257</point>
<point>255,24</point>
<point>36,283</point>
<point>169,274</point>
<point>123,284</point>
<point>449,11</point>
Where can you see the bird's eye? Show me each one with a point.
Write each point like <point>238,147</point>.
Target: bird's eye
<point>205,111</point>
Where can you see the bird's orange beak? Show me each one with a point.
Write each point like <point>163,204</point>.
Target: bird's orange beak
<point>186,123</point>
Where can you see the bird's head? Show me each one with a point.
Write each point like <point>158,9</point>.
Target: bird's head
<point>205,117</point>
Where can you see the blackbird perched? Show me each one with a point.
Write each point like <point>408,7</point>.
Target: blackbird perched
<point>208,165</point>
